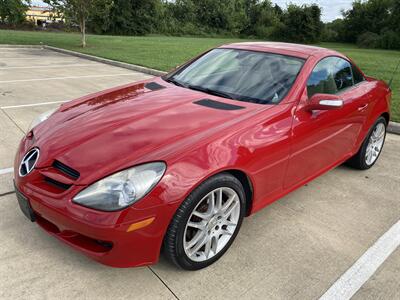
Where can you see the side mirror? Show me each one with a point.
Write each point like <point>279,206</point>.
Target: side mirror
<point>324,102</point>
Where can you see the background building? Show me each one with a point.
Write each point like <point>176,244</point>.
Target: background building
<point>42,15</point>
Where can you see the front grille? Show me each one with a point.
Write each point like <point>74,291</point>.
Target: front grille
<point>66,170</point>
<point>56,183</point>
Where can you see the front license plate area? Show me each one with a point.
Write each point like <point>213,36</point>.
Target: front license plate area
<point>25,206</point>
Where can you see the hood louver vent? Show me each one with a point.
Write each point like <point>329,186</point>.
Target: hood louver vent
<point>217,105</point>
<point>154,86</point>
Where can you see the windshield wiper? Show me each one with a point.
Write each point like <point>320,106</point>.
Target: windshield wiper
<point>199,88</point>
<point>174,81</point>
<point>209,91</point>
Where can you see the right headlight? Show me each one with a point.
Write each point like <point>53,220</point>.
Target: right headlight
<point>121,189</point>
<point>41,118</point>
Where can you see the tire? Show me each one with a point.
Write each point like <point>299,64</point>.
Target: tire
<point>360,160</point>
<point>203,207</point>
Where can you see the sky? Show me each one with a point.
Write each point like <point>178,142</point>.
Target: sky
<point>330,8</point>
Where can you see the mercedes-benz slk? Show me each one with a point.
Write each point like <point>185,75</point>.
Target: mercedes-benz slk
<point>177,162</point>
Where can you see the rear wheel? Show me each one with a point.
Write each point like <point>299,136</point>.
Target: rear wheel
<point>371,147</point>
<point>206,223</point>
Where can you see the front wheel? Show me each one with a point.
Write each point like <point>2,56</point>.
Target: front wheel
<point>371,147</point>
<point>206,223</point>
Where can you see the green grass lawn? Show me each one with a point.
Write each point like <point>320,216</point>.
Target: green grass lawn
<point>165,53</point>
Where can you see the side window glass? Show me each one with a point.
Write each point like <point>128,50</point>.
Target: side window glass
<point>343,74</point>
<point>330,76</point>
<point>322,78</point>
<point>358,77</point>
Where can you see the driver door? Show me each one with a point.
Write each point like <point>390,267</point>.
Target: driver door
<point>322,138</point>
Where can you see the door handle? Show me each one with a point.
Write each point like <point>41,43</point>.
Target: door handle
<point>362,107</point>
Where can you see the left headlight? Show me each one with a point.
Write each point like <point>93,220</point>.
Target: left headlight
<point>121,189</point>
<point>42,117</point>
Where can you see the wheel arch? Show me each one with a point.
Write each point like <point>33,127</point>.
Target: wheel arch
<point>247,186</point>
<point>386,116</point>
<point>238,174</point>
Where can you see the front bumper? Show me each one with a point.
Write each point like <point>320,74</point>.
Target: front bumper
<point>102,236</point>
<point>97,238</point>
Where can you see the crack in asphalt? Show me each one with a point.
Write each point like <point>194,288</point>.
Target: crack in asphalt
<point>162,281</point>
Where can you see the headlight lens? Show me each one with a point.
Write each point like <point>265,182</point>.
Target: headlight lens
<point>42,117</point>
<point>121,189</point>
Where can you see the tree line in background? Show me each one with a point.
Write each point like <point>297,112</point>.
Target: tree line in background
<point>372,23</point>
<point>244,18</point>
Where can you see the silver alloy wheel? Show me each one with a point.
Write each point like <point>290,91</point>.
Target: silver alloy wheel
<point>375,144</point>
<point>211,224</point>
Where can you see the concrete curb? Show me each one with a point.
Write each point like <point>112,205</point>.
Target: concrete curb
<point>109,61</point>
<point>394,128</point>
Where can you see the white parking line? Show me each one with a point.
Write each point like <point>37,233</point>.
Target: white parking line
<point>67,77</point>
<point>353,279</point>
<point>49,66</point>
<point>32,104</point>
<point>6,171</point>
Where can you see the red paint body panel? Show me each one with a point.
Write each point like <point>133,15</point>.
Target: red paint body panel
<point>279,147</point>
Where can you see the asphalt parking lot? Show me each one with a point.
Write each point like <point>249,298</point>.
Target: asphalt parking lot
<point>296,248</point>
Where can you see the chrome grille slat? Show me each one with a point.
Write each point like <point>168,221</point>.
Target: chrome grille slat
<point>66,170</point>
<point>57,184</point>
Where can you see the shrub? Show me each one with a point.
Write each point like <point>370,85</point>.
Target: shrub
<point>390,40</point>
<point>264,32</point>
<point>369,40</point>
<point>301,24</point>
<point>329,35</point>
<point>56,26</point>
<point>26,25</point>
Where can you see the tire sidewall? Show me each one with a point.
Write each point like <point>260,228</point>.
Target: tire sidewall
<point>221,180</point>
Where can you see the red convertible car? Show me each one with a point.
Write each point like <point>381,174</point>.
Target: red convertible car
<point>177,162</point>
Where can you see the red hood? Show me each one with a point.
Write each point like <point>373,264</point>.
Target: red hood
<point>118,128</point>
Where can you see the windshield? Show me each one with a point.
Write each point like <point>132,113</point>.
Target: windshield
<point>257,77</point>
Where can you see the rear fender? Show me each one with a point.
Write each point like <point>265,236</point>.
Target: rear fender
<point>379,105</point>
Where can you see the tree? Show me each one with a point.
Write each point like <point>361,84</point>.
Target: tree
<point>372,24</point>
<point>333,31</point>
<point>78,11</point>
<point>135,17</point>
<point>368,16</point>
<point>395,15</point>
<point>13,11</point>
<point>99,20</point>
<point>301,24</point>
<point>262,18</point>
